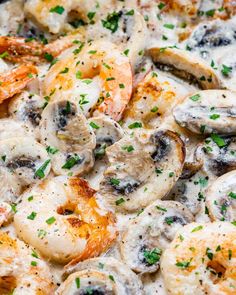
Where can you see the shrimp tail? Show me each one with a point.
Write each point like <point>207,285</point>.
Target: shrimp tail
<point>21,50</point>
<point>16,80</point>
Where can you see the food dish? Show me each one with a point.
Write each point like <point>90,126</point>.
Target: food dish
<point>117,147</point>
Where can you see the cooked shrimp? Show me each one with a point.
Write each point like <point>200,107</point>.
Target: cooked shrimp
<point>99,64</point>
<point>5,212</point>
<point>16,80</point>
<point>153,99</point>
<point>54,14</point>
<point>221,198</point>
<point>201,260</point>
<point>64,220</point>
<point>21,269</point>
<point>18,49</point>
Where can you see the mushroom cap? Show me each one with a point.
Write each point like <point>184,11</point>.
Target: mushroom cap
<point>150,233</point>
<point>142,167</point>
<point>208,111</point>
<point>126,281</point>
<point>186,65</point>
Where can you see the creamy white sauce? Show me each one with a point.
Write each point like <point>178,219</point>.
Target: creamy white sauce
<point>163,31</point>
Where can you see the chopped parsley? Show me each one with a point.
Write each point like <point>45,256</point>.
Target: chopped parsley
<point>4,54</point>
<point>114,181</point>
<point>51,150</point>
<point>48,57</point>
<point>94,125</point>
<point>197,228</point>
<point>226,70</point>
<point>209,253</point>
<point>218,140</point>
<point>183,264</point>
<point>161,208</point>
<point>232,195</point>
<point>169,26</point>
<point>120,201</point>
<point>30,198</point>
<point>195,97</point>
<point>112,21</point>
<point>128,148</point>
<point>111,278</point>
<point>169,220</point>
<point>77,282</point>
<point>40,172</point>
<point>135,125</point>
<point>51,220</point>
<point>126,52</point>
<point>57,9</point>
<point>71,162</point>
<point>152,256</point>
<point>131,12</point>
<point>32,215</point>
<point>154,109</point>
<point>33,263</point>
<point>214,116</point>
<point>161,5</point>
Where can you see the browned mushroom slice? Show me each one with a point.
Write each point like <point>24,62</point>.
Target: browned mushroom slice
<point>150,233</point>
<point>143,167</point>
<point>184,65</point>
<point>221,198</point>
<point>208,111</point>
<point>107,276</point>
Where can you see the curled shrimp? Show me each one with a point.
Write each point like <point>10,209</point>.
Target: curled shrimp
<point>18,49</point>
<point>65,220</point>
<point>97,74</point>
<point>16,80</point>
<point>21,269</point>
<point>201,260</point>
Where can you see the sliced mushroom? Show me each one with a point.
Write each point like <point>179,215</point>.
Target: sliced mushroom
<point>68,136</point>
<point>221,198</point>
<point>208,111</point>
<point>218,154</point>
<point>189,191</point>
<point>142,167</point>
<point>150,233</point>
<point>10,128</point>
<point>184,65</point>
<point>111,275</point>
<point>211,35</point>
<point>226,62</point>
<point>27,107</point>
<point>90,282</point>
<point>107,132</point>
<point>23,162</point>
<point>134,31</point>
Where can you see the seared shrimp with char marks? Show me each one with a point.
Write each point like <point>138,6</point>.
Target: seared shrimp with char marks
<point>64,219</point>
